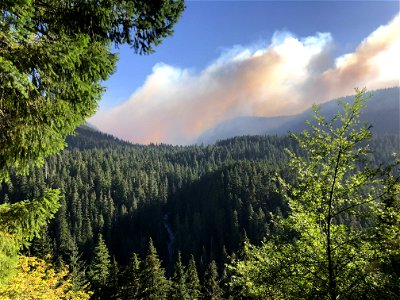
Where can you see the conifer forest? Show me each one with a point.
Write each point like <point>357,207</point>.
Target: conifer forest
<point>295,214</point>
<point>162,222</point>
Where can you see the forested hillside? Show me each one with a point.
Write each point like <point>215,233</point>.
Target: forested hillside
<point>115,188</point>
<point>197,200</point>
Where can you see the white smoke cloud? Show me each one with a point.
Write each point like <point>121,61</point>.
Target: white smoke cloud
<point>176,105</point>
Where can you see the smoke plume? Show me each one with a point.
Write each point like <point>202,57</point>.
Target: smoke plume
<point>176,105</point>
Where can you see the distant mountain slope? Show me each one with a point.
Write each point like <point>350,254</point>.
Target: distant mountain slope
<point>87,137</point>
<point>383,112</point>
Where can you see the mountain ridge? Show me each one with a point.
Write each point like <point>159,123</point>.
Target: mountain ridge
<point>382,112</point>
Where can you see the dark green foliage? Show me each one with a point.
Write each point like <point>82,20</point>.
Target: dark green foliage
<point>212,283</point>
<point>20,223</point>
<point>113,282</point>
<point>99,269</point>
<point>26,218</point>
<point>78,270</point>
<point>193,282</point>
<point>54,56</point>
<point>154,285</point>
<point>179,290</point>
<point>42,246</point>
<point>242,195</point>
<point>115,191</point>
<point>85,138</point>
<point>208,195</point>
<point>130,282</point>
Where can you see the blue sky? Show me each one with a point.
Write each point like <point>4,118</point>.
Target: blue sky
<point>215,46</point>
<point>206,28</point>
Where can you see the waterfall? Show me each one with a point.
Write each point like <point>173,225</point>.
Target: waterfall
<point>171,237</point>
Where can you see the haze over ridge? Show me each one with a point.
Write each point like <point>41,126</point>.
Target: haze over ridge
<point>177,105</point>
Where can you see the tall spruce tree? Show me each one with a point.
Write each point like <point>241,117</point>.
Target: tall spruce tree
<point>78,270</point>
<point>212,288</point>
<point>154,285</point>
<point>179,289</point>
<point>99,269</point>
<point>113,282</point>
<point>193,281</point>
<point>131,280</point>
<point>42,246</point>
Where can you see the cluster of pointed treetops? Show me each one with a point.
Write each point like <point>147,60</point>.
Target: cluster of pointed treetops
<point>322,218</point>
<point>319,220</point>
<point>146,278</point>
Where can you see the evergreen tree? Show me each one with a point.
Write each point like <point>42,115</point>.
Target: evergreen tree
<point>64,238</point>
<point>42,246</point>
<point>193,282</point>
<point>19,224</point>
<point>113,282</point>
<point>212,288</point>
<point>44,95</point>
<point>131,284</point>
<point>179,289</point>
<point>85,172</point>
<point>78,270</point>
<point>54,56</point>
<point>99,269</point>
<point>154,285</point>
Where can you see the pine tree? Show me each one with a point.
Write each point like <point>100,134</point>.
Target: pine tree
<point>99,269</point>
<point>179,289</point>
<point>42,246</point>
<point>212,288</point>
<point>113,282</point>
<point>65,240</point>
<point>193,281</point>
<point>78,270</point>
<point>131,284</point>
<point>154,285</point>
